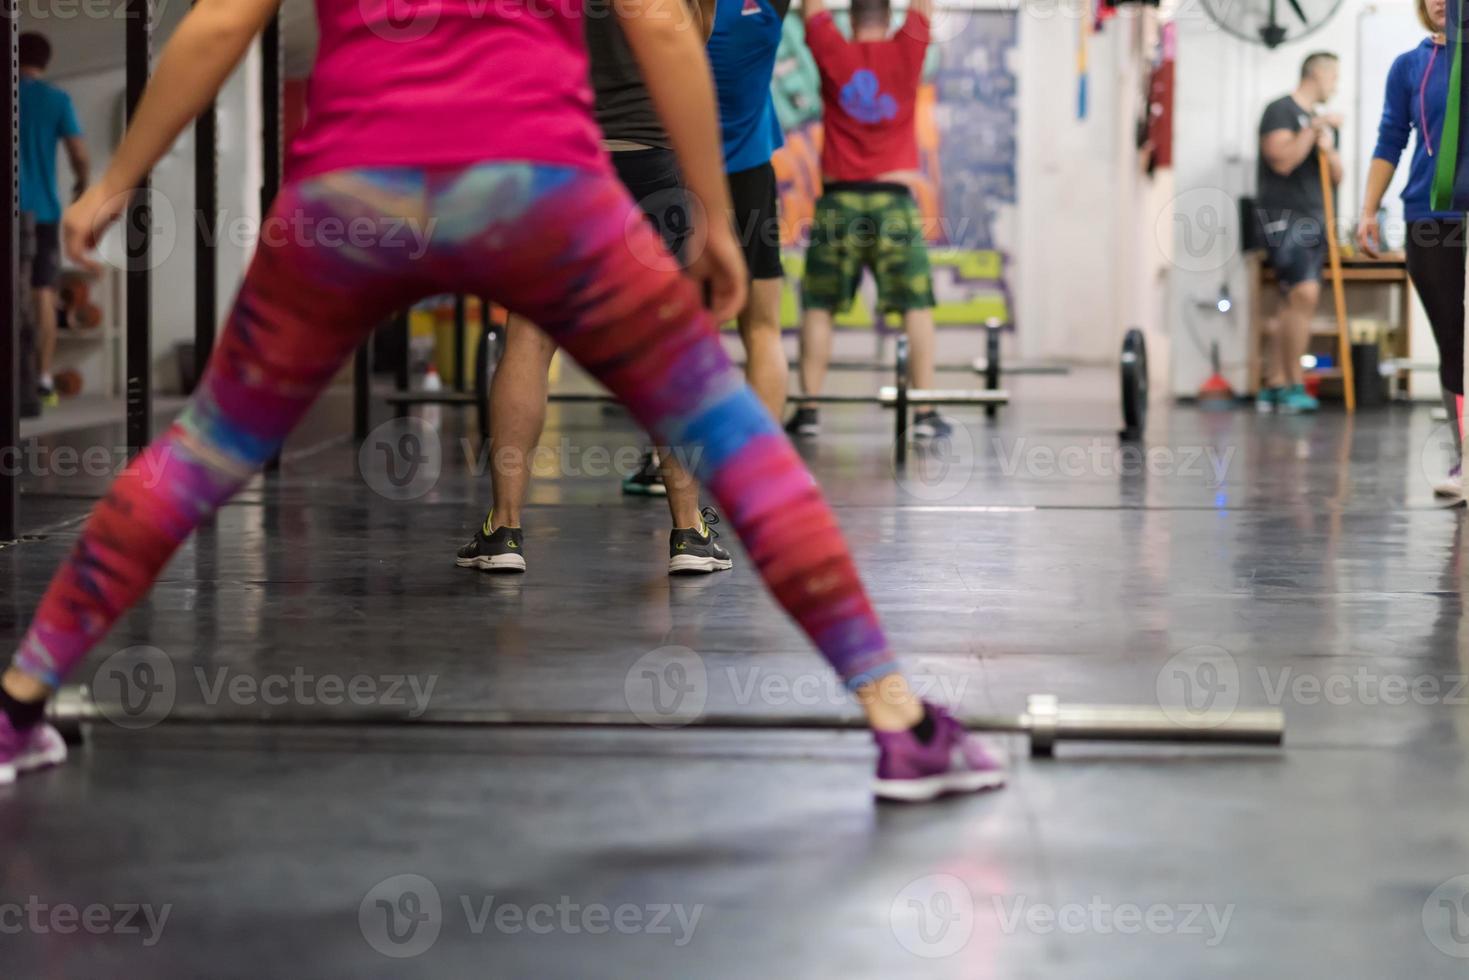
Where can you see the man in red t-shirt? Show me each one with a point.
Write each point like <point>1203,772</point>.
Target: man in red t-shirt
<point>867,218</point>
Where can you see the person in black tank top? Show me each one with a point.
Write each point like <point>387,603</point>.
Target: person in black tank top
<point>643,157</point>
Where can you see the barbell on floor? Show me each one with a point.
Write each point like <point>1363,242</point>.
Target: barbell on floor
<point>1046,721</point>
<point>901,398</point>
<point>898,397</point>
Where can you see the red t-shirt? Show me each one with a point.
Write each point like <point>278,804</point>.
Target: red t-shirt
<point>869,91</point>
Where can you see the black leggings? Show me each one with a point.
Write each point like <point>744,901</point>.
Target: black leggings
<point>1436,254</point>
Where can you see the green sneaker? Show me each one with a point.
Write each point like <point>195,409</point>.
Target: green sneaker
<point>1268,400</point>
<point>1295,401</point>
<point>648,480</point>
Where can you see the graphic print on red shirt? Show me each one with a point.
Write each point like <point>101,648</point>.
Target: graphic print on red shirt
<point>869,95</point>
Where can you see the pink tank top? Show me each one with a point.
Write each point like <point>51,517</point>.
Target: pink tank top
<point>429,83</point>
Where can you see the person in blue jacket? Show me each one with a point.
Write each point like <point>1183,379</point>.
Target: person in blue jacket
<point>1417,93</point>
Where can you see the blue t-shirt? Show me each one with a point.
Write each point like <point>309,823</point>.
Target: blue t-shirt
<point>1416,100</point>
<point>742,51</point>
<point>46,117</point>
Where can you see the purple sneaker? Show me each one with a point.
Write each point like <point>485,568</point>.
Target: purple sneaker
<point>954,762</point>
<point>21,752</point>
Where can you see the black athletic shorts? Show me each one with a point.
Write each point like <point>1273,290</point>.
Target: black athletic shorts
<point>652,177</point>
<point>46,267</point>
<point>757,219</point>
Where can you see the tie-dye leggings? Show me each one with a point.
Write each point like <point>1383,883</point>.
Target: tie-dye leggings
<point>568,249</point>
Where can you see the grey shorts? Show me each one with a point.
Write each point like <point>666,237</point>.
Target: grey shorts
<point>1296,248</point>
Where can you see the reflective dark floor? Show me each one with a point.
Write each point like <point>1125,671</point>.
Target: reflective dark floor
<point>1269,561</point>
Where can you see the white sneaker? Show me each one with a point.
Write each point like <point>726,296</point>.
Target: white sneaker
<point>1451,488</point>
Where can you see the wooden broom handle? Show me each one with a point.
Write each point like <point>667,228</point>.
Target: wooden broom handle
<point>1338,288</point>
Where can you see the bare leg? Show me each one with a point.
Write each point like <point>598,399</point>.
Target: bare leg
<point>517,416</point>
<point>1295,333</point>
<point>683,489</point>
<point>45,330</point>
<point>1274,359</point>
<point>765,359</point>
<point>816,327</point>
<point>23,687</point>
<point>768,374</point>
<point>922,341</point>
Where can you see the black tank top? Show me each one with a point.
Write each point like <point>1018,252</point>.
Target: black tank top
<point>624,108</point>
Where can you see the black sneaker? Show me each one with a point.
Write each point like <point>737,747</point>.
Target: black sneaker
<point>691,552</point>
<point>804,423</point>
<point>931,425</point>
<point>648,480</point>
<point>503,551</point>
<point>48,396</point>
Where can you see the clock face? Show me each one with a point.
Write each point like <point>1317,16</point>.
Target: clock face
<point>1271,22</point>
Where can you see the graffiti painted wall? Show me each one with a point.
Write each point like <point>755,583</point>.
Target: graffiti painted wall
<point>967,143</point>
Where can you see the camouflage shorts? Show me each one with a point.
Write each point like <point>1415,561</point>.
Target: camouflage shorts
<point>879,230</point>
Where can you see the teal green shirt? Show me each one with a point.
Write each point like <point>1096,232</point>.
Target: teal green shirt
<point>46,118</point>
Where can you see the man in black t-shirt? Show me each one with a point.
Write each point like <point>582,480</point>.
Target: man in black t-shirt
<point>644,159</point>
<point>1293,211</point>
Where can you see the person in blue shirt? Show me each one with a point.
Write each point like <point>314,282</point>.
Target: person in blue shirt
<point>1415,103</point>
<point>742,50</point>
<point>46,119</point>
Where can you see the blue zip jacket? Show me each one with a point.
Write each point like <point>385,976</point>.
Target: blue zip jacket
<point>1417,93</point>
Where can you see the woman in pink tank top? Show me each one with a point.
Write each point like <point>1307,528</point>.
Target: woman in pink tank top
<point>469,122</point>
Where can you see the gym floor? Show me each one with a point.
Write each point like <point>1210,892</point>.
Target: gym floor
<point>1300,559</point>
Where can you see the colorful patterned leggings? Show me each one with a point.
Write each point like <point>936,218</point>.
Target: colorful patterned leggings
<point>569,250</point>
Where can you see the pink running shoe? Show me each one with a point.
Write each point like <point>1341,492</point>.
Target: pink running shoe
<point>953,762</point>
<point>21,752</point>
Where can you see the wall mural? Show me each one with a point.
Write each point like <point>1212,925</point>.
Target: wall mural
<point>967,144</point>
